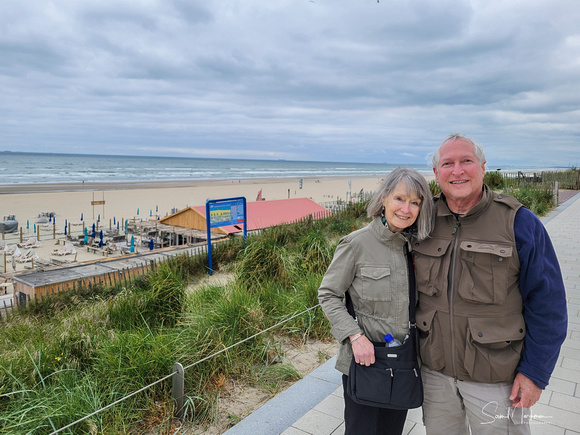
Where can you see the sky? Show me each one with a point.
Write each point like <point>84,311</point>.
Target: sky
<point>315,80</point>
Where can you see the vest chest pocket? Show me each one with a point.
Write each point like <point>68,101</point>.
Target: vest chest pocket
<point>376,283</point>
<point>484,272</point>
<point>431,265</point>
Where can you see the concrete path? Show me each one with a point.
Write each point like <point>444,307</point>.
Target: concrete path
<point>314,405</point>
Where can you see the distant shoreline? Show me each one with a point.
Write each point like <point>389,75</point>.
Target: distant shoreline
<point>97,186</point>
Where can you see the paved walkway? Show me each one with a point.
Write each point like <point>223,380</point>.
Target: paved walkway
<point>314,405</point>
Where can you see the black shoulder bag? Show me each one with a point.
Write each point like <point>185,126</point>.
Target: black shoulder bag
<point>394,380</point>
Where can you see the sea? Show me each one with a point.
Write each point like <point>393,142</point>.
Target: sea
<point>25,168</point>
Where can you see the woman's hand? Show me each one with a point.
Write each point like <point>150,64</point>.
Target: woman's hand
<point>363,350</point>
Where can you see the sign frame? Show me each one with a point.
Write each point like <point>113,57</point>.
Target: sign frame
<point>226,211</point>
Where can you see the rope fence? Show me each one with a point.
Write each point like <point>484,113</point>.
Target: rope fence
<point>177,369</point>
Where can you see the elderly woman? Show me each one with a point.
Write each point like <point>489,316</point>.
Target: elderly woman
<point>370,264</point>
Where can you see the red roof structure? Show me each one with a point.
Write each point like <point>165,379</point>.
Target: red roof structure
<point>260,214</point>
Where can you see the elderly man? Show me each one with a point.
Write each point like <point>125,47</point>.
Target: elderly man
<point>492,306</point>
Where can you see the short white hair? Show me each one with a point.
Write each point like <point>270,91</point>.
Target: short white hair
<point>454,136</point>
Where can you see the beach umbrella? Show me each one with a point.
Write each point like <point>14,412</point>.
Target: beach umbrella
<point>151,244</point>
<point>150,213</point>
<point>93,233</point>
<point>117,225</point>
<point>34,228</point>
<point>101,239</point>
<point>65,225</point>
<point>86,236</point>
<point>113,220</point>
<point>125,227</point>
<point>156,209</point>
<point>99,218</point>
<point>137,212</point>
<point>27,224</point>
<point>132,244</point>
<point>81,216</point>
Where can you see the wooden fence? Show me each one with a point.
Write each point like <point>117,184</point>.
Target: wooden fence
<point>566,179</point>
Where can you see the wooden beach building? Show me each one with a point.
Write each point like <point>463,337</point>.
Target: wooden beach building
<point>260,215</point>
<point>108,272</point>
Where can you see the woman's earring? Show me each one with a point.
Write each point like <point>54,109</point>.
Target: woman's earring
<point>383,219</point>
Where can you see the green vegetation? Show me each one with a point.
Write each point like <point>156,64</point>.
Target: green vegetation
<point>494,180</point>
<point>66,356</point>
<point>539,199</point>
<point>434,188</point>
<point>536,191</point>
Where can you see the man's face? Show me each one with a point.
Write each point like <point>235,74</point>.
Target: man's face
<point>459,173</point>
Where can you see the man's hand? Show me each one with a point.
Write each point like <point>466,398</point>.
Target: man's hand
<point>524,392</point>
<point>364,351</point>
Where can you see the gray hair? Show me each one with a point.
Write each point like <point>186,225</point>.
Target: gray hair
<point>415,183</point>
<point>454,136</point>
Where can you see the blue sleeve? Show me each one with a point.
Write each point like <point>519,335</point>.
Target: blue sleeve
<point>543,296</point>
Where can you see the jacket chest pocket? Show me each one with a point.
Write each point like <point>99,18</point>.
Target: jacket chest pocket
<point>484,272</point>
<point>376,283</point>
<point>431,266</point>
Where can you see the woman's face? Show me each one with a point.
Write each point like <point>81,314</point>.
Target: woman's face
<point>401,208</point>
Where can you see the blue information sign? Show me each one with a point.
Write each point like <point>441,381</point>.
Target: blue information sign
<point>223,212</point>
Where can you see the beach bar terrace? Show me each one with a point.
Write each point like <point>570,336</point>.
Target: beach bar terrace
<point>107,272</point>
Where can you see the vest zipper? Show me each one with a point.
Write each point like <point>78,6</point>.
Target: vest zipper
<point>451,294</point>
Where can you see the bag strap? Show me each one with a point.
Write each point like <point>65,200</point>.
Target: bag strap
<point>412,284</point>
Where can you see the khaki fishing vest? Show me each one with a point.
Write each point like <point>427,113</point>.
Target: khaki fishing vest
<point>470,308</point>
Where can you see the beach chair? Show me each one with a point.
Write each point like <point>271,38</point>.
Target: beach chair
<point>27,256</point>
<point>32,242</point>
<point>12,250</point>
<point>67,249</point>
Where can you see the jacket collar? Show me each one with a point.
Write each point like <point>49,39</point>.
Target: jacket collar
<point>480,207</point>
<point>384,234</point>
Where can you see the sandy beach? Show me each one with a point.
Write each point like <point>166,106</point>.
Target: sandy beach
<point>124,200</point>
<point>147,200</point>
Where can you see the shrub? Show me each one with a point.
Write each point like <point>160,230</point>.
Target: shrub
<point>494,180</point>
<point>539,199</point>
<point>434,188</point>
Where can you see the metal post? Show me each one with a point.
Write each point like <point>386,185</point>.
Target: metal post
<point>178,389</point>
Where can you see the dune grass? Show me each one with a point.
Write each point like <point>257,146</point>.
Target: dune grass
<point>69,355</point>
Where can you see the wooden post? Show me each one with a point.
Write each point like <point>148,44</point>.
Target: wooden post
<point>556,193</point>
<point>178,392</point>
<point>20,234</point>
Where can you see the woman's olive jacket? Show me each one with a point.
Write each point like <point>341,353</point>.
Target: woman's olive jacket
<point>371,265</point>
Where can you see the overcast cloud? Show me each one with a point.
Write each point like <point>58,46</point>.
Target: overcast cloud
<point>319,80</point>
